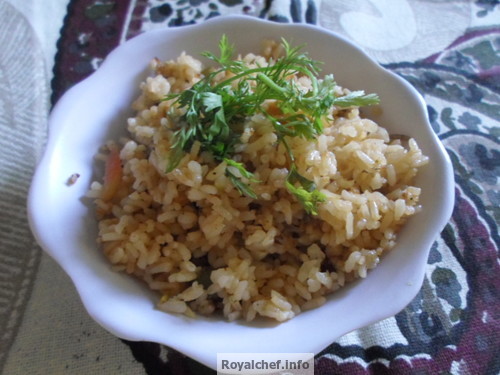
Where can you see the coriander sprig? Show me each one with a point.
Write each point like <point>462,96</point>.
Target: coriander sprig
<point>213,113</point>
<point>242,187</point>
<point>305,192</point>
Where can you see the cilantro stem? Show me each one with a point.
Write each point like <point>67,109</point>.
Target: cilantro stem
<point>238,76</point>
<point>271,84</point>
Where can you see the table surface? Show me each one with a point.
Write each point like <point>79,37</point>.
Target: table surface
<point>448,50</point>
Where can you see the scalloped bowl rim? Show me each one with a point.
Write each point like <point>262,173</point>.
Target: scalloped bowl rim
<point>62,223</point>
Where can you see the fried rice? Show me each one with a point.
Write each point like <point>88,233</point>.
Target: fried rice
<point>207,249</point>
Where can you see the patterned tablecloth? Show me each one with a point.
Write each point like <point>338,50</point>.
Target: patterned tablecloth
<point>449,50</point>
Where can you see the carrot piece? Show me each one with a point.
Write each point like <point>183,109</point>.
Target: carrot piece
<point>274,110</point>
<point>112,175</point>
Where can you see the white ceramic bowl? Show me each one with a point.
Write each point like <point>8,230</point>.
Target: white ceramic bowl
<point>96,109</point>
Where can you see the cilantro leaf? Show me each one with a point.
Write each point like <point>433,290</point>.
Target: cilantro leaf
<point>356,99</point>
<point>243,187</point>
<point>211,101</point>
<point>305,192</point>
<point>241,168</point>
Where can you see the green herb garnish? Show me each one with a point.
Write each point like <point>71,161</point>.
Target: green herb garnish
<point>242,187</point>
<point>306,191</point>
<point>213,113</point>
